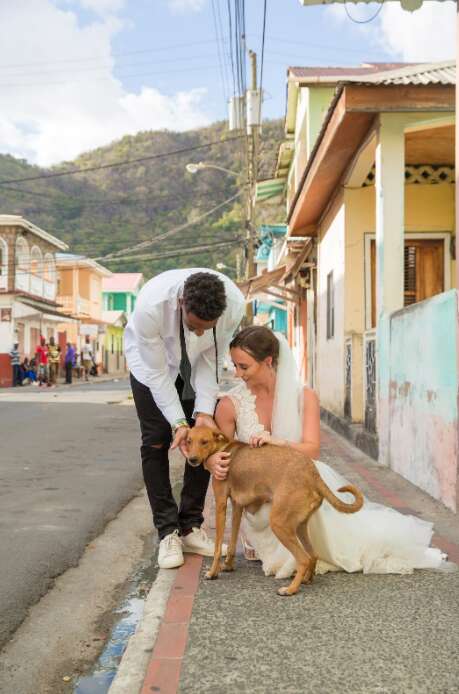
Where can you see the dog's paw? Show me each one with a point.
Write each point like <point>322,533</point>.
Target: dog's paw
<point>228,567</point>
<point>210,576</point>
<point>284,591</point>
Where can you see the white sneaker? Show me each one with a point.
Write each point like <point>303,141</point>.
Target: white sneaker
<point>170,555</point>
<point>198,542</point>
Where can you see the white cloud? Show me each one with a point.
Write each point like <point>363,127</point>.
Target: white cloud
<point>427,34</point>
<point>56,105</point>
<point>186,5</point>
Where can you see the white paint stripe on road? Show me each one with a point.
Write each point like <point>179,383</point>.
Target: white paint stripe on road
<point>131,672</point>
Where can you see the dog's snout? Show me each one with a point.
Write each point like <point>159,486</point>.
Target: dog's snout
<point>193,461</point>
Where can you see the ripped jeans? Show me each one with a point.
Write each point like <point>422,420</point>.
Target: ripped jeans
<point>156,439</point>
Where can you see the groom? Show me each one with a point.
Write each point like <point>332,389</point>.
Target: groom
<point>175,343</point>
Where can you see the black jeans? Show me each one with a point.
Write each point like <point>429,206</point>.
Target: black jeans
<point>68,372</point>
<point>17,375</point>
<point>156,430</point>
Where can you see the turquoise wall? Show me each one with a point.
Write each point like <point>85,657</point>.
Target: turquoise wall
<point>418,366</point>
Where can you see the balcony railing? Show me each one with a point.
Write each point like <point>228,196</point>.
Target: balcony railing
<point>36,285</point>
<point>22,280</point>
<point>49,290</point>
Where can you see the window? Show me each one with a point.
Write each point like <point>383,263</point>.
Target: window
<point>424,274</point>
<point>330,307</point>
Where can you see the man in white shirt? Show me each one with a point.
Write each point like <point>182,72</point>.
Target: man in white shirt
<point>175,343</point>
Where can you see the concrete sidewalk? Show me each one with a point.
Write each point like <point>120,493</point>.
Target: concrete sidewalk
<point>344,634</point>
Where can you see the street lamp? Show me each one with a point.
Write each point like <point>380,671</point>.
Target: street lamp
<point>194,168</point>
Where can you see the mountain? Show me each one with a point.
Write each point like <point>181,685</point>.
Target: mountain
<point>103,211</point>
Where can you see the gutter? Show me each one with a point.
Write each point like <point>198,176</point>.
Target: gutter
<point>317,144</point>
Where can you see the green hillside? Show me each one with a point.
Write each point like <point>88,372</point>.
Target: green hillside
<point>110,209</point>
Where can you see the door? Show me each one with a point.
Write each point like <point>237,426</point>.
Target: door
<point>424,271</point>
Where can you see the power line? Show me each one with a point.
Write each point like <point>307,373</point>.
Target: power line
<point>107,79</point>
<point>120,54</point>
<point>109,65</point>
<point>127,162</point>
<point>191,250</point>
<point>262,58</point>
<point>171,232</point>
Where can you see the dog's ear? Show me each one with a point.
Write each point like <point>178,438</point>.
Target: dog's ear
<point>219,437</point>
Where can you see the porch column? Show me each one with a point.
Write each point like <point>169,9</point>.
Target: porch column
<point>390,228</point>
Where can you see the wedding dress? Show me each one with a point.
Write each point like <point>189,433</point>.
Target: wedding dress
<point>376,539</point>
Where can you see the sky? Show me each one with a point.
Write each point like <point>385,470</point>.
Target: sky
<point>79,74</point>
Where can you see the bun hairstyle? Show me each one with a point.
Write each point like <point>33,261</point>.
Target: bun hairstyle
<point>259,342</point>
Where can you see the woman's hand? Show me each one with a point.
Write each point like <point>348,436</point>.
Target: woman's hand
<point>260,439</point>
<point>217,464</point>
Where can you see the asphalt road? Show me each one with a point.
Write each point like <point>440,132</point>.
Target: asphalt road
<point>69,462</point>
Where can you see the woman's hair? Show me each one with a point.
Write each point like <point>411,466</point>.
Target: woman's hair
<point>259,342</point>
<point>204,295</point>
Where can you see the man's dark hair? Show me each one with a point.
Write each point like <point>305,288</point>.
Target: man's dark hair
<point>204,295</point>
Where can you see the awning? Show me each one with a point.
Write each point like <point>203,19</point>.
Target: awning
<point>269,188</point>
<point>268,283</point>
<point>46,309</point>
<point>299,260</point>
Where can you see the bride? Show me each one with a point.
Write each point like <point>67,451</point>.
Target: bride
<point>271,405</point>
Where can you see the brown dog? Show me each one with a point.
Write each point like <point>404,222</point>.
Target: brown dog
<point>276,474</point>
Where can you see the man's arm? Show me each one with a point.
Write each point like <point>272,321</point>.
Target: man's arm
<point>152,352</point>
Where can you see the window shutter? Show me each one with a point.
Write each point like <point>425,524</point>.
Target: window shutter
<point>410,274</point>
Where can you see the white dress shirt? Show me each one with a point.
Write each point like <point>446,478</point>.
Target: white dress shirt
<point>152,342</point>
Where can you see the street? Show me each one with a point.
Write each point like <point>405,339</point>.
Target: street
<point>69,464</point>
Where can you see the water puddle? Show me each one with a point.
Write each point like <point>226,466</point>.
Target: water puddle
<point>130,612</point>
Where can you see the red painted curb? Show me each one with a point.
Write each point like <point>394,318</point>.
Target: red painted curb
<point>163,672</point>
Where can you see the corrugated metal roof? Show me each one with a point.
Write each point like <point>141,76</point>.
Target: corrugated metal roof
<point>333,74</point>
<point>422,74</point>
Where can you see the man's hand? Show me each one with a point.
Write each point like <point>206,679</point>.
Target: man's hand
<point>217,464</point>
<point>180,440</point>
<point>205,420</point>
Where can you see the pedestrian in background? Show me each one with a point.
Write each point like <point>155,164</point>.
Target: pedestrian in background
<point>28,370</point>
<point>69,362</point>
<point>41,357</point>
<point>16,365</point>
<point>87,357</point>
<point>53,361</point>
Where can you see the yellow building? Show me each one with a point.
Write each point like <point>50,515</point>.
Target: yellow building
<point>372,200</point>
<point>80,294</point>
<point>114,360</point>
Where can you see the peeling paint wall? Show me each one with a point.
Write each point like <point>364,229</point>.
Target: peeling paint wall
<point>422,369</point>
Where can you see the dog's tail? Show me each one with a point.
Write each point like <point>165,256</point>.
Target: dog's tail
<point>337,503</point>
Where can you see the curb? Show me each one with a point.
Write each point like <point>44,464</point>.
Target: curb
<point>134,662</point>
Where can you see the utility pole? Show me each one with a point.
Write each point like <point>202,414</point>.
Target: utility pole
<point>252,165</point>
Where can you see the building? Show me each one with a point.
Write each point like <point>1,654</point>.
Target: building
<point>370,198</point>
<point>29,306</point>
<point>114,360</point>
<point>80,295</point>
<point>120,291</point>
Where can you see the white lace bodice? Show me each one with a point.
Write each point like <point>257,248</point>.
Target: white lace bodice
<point>247,422</point>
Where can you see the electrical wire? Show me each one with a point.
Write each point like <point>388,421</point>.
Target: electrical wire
<point>127,162</point>
<point>120,54</point>
<point>175,230</point>
<point>262,58</point>
<point>191,250</point>
<point>363,21</point>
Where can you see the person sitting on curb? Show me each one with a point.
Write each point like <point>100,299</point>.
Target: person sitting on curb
<point>175,343</point>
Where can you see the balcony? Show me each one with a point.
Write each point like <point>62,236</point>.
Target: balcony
<point>22,280</point>
<point>49,290</point>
